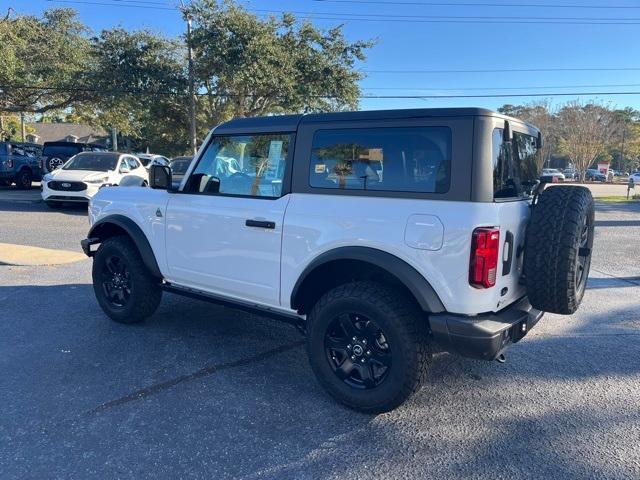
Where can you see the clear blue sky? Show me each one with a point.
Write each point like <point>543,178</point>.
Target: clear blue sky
<point>417,45</point>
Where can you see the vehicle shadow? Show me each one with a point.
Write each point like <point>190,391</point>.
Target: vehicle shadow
<point>617,223</point>
<point>223,383</point>
<point>613,282</point>
<point>10,204</point>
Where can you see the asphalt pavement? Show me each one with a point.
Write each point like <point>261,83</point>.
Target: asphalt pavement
<point>201,391</point>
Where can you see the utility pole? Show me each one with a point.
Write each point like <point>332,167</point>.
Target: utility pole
<point>192,95</point>
<point>114,139</point>
<point>621,166</point>
<point>22,128</point>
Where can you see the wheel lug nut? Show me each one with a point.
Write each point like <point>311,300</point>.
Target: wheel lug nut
<point>364,340</point>
<point>368,352</point>
<point>353,357</point>
<point>354,339</point>
<point>362,360</point>
<point>349,347</point>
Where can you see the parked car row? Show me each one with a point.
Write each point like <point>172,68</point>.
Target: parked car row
<point>24,163</point>
<point>80,177</point>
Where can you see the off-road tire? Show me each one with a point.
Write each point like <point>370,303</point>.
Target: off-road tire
<point>145,292</point>
<point>24,179</point>
<point>403,325</point>
<point>559,243</point>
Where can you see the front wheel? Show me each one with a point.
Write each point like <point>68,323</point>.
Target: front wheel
<point>368,346</point>
<point>23,180</point>
<point>123,286</point>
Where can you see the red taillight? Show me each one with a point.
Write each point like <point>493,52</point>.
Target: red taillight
<point>483,266</point>
<point>9,163</point>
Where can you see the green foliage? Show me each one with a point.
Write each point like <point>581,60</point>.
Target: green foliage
<point>140,84</point>
<point>248,66</point>
<point>52,51</point>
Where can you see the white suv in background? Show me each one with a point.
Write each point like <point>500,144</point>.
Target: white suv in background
<point>85,173</point>
<point>386,236</point>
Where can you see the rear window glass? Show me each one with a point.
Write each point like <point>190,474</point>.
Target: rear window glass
<point>407,159</point>
<point>515,165</point>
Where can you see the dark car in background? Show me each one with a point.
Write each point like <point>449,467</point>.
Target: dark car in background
<point>19,164</point>
<point>179,166</point>
<point>55,154</point>
<point>595,176</point>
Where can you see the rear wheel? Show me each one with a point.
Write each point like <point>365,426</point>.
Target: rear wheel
<point>123,286</point>
<point>23,180</point>
<point>368,346</point>
<point>558,250</point>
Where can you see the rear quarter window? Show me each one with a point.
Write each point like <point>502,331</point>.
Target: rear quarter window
<point>515,165</point>
<point>398,159</point>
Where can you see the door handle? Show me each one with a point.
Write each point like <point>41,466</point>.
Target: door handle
<point>260,224</point>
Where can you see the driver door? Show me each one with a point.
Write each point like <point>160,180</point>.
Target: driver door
<point>224,229</point>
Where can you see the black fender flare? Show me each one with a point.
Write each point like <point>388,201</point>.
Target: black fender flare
<point>98,230</point>
<point>419,287</point>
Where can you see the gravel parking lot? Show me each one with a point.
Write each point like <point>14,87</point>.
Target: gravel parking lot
<point>202,391</point>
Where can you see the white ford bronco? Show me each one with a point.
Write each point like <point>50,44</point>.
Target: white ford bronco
<point>386,236</point>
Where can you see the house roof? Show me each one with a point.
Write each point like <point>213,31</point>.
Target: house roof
<point>54,132</point>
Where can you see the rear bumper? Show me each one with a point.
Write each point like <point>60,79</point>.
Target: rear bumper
<point>487,335</point>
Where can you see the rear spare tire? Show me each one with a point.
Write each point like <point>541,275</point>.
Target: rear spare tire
<point>559,243</point>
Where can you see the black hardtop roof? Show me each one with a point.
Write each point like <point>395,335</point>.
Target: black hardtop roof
<point>290,123</point>
<point>70,144</point>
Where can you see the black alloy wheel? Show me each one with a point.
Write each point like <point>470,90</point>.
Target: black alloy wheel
<point>368,345</point>
<point>116,281</point>
<point>23,180</point>
<point>124,287</point>
<point>357,350</point>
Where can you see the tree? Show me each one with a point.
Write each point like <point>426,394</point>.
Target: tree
<point>540,115</point>
<point>141,86</point>
<point>585,131</point>
<point>40,59</point>
<point>246,66</point>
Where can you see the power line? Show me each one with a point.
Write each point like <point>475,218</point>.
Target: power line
<point>350,16</point>
<point>105,4</point>
<point>366,96</point>
<point>510,70</point>
<point>483,4</point>
<point>446,17</point>
<point>502,88</point>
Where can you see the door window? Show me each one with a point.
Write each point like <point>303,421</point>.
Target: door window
<point>133,163</point>
<point>247,165</point>
<point>406,159</point>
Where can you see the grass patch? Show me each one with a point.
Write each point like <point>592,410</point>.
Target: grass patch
<point>618,198</point>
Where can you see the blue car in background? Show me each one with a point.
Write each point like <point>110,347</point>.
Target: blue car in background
<point>20,164</point>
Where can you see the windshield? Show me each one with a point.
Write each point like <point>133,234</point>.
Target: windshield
<point>63,150</point>
<point>93,162</point>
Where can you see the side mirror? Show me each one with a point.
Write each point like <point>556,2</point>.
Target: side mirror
<point>160,177</point>
<point>124,169</point>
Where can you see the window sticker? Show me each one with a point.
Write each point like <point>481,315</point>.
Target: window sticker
<point>320,168</point>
